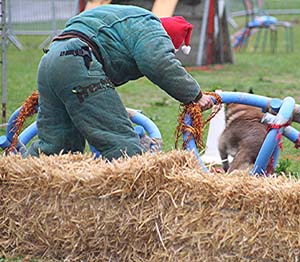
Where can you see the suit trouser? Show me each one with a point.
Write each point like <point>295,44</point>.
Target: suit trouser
<point>77,102</point>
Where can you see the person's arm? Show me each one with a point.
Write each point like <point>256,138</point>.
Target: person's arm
<point>154,54</point>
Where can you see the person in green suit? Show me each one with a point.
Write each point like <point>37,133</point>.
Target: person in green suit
<point>99,50</point>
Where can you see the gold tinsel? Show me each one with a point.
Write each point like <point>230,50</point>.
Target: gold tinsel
<point>196,129</point>
<point>28,109</point>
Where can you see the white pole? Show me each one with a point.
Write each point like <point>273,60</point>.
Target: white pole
<point>203,34</point>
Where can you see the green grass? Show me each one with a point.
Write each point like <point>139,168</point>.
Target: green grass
<point>272,75</point>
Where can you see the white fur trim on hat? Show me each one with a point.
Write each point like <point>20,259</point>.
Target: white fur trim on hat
<point>186,49</point>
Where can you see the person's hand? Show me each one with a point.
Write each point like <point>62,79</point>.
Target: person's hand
<point>205,102</point>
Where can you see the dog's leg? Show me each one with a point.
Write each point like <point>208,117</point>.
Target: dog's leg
<point>241,161</point>
<point>225,164</point>
<point>223,154</point>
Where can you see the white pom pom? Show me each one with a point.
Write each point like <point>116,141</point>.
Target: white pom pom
<point>186,49</point>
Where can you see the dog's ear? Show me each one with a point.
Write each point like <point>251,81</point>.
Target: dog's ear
<point>251,90</point>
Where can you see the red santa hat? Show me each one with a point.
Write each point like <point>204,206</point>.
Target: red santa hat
<point>180,32</point>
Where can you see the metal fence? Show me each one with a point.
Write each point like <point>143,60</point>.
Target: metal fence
<point>47,16</point>
<point>39,17</point>
<point>236,7</point>
<point>31,17</point>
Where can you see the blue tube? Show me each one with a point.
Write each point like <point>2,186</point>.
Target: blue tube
<point>284,114</point>
<point>275,104</point>
<point>287,109</point>
<point>263,157</point>
<point>275,156</point>
<point>94,151</point>
<point>4,143</point>
<point>140,130</point>
<point>20,147</point>
<point>289,132</point>
<point>292,134</point>
<point>25,136</point>
<point>143,124</point>
<point>245,98</point>
<point>140,119</point>
<point>29,133</point>
<point>11,125</point>
<point>191,145</point>
<point>254,100</point>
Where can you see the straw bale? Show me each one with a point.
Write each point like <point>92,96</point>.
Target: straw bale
<point>155,207</point>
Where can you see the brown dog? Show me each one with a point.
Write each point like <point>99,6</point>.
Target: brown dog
<point>242,137</point>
